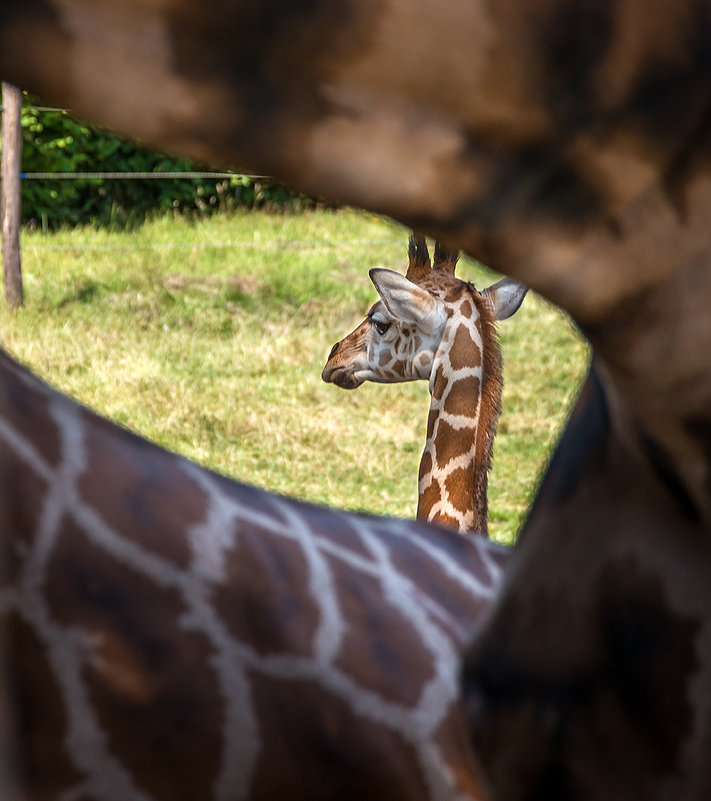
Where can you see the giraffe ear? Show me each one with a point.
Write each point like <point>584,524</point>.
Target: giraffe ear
<point>407,301</point>
<point>505,297</point>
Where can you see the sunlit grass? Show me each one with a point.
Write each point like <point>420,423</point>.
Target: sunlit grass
<point>209,337</point>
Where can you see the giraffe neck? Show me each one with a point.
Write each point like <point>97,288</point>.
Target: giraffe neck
<point>465,389</point>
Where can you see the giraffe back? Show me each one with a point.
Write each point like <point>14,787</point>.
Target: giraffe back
<point>172,634</point>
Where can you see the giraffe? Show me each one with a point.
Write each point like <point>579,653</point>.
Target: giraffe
<point>430,325</point>
<point>172,634</point>
<point>565,143</point>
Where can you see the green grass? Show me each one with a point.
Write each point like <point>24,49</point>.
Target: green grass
<point>209,338</point>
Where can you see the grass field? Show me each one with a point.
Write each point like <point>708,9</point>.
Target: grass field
<point>209,337</point>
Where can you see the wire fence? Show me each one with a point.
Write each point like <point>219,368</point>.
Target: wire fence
<point>272,245</point>
<point>245,244</point>
<point>193,187</point>
<point>11,240</point>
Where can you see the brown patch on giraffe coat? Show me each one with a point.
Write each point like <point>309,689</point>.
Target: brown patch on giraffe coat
<point>428,498</point>
<point>466,309</point>
<point>435,581</point>
<point>329,523</point>
<point>384,358</point>
<point>320,749</point>
<point>425,465</point>
<point>26,412</point>
<point>266,586</point>
<point>463,398</point>
<point>375,639</point>
<point>432,418</point>
<point>40,715</point>
<point>464,351</point>
<point>458,484</point>
<point>149,494</point>
<point>443,519</point>
<point>399,368</point>
<point>148,676</point>
<point>22,499</point>
<point>439,384</point>
<point>453,292</point>
<point>450,444</point>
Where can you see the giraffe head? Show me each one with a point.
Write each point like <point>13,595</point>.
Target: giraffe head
<point>416,317</point>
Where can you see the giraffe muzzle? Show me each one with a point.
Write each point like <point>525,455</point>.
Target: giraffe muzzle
<point>340,376</point>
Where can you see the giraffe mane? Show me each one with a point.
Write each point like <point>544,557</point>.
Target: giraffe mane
<point>491,390</point>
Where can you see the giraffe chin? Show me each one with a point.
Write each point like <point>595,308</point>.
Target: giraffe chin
<point>345,379</point>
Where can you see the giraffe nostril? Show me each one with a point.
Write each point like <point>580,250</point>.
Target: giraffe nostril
<point>334,350</point>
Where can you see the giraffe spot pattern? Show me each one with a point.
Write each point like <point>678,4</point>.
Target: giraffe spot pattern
<point>432,418</point>
<point>464,352</point>
<point>458,481</point>
<point>439,383</point>
<point>332,759</point>
<point>450,445</point>
<point>145,503</point>
<point>253,566</point>
<point>444,519</point>
<point>466,309</point>
<point>425,464</point>
<point>384,358</point>
<point>422,364</point>
<point>429,496</point>
<point>44,717</point>
<point>377,659</point>
<point>464,401</point>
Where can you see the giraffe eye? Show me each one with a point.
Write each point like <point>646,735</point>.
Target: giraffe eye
<point>380,326</point>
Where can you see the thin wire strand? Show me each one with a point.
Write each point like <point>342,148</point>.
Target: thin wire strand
<point>68,176</point>
<point>42,108</point>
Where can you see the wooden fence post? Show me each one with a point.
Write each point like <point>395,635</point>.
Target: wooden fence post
<point>11,200</point>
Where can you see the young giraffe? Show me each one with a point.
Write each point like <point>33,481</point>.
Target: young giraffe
<point>564,142</point>
<point>170,635</point>
<point>430,325</point>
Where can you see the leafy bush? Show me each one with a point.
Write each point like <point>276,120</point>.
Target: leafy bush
<point>53,141</point>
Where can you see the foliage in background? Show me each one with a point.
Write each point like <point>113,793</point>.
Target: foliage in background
<point>208,336</point>
<point>53,141</point>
